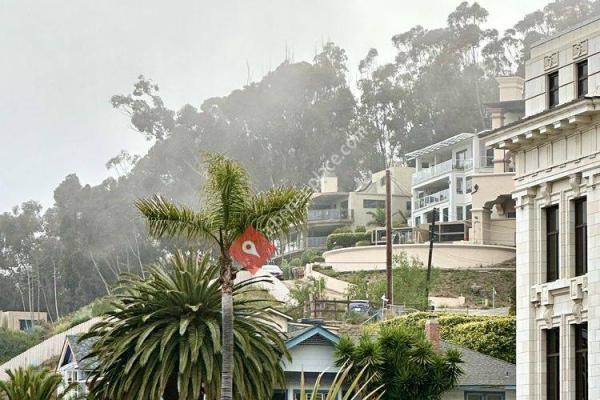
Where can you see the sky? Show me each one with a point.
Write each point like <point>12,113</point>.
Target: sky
<point>61,61</point>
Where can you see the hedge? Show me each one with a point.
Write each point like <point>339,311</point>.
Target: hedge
<point>13,343</point>
<point>491,335</point>
<point>346,239</point>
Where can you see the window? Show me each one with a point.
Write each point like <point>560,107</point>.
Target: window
<point>445,214</point>
<point>489,157</point>
<point>373,203</point>
<point>408,205</point>
<point>581,362</point>
<point>551,243</point>
<point>552,364</point>
<point>580,236</point>
<point>582,78</point>
<point>279,395</point>
<point>459,185</point>
<point>321,394</point>
<point>468,211</point>
<point>417,221</point>
<point>25,324</point>
<point>459,213</point>
<point>460,157</point>
<point>484,396</point>
<point>553,89</point>
<point>468,184</point>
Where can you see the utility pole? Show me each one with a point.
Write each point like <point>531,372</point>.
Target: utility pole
<point>429,267</point>
<point>388,235</point>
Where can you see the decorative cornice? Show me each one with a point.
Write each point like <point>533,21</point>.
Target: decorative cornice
<point>580,49</point>
<point>551,61</point>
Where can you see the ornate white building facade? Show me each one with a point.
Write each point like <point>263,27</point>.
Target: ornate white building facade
<point>556,152</point>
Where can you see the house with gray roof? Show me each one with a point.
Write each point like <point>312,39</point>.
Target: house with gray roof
<point>74,366</point>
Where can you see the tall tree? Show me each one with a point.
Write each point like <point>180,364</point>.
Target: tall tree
<point>162,340</point>
<point>230,207</point>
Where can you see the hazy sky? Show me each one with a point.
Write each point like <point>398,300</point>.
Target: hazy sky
<point>60,62</point>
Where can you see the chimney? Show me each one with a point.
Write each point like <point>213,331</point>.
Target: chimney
<point>432,332</point>
<point>329,183</point>
<point>510,88</point>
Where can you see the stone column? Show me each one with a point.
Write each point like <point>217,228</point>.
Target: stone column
<point>527,229</point>
<point>593,283</point>
<point>482,221</point>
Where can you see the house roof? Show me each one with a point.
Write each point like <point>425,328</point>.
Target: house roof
<point>311,334</point>
<point>482,370</point>
<point>439,145</point>
<point>78,351</point>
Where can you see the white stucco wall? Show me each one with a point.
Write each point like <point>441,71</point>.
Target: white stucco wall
<point>445,256</point>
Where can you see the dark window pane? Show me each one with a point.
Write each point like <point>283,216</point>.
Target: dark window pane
<point>581,362</point>
<point>552,364</point>
<point>553,89</point>
<point>582,78</point>
<point>581,236</point>
<point>552,249</point>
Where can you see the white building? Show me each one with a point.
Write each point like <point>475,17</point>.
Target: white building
<point>443,177</point>
<point>556,150</point>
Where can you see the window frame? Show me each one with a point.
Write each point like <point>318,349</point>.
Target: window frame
<point>375,201</point>
<point>462,213</point>
<point>581,78</point>
<point>581,236</point>
<point>553,101</point>
<point>460,185</point>
<point>484,395</point>
<point>552,269</point>
<point>581,360</point>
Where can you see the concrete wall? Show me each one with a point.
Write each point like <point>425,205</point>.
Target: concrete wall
<point>445,256</point>
<point>331,284</point>
<point>361,218</point>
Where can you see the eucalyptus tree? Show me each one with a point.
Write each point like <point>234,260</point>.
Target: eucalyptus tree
<point>162,339</point>
<point>230,206</point>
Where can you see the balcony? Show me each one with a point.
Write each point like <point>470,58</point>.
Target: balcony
<point>316,242</point>
<point>441,169</point>
<point>331,214</point>
<point>432,199</point>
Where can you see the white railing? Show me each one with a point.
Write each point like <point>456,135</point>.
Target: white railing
<point>441,169</point>
<point>327,214</point>
<point>433,198</point>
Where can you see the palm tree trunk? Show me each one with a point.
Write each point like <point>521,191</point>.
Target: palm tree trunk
<point>227,323</point>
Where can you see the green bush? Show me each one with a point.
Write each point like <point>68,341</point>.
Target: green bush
<point>345,239</point>
<point>491,335</point>
<point>14,343</point>
<point>360,229</point>
<point>343,229</point>
<point>318,259</point>
<point>363,243</point>
<point>308,256</point>
<point>296,262</point>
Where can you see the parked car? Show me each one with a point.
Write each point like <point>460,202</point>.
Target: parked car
<point>360,306</point>
<point>274,270</point>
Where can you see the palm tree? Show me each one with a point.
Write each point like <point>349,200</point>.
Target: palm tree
<point>230,206</point>
<point>29,384</point>
<point>162,339</point>
<point>377,217</point>
<point>357,389</point>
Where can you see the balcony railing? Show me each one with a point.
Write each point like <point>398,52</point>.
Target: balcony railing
<point>441,169</point>
<point>331,214</point>
<point>431,199</point>
<point>316,241</point>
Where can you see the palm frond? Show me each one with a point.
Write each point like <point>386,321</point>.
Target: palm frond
<point>165,218</point>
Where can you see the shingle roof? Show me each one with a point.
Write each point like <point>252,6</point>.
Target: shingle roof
<point>482,370</point>
<point>80,350</point>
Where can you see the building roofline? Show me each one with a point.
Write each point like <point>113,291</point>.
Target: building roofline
<point>438,145</point>
<point>315,330</point>
<point>558,34</point>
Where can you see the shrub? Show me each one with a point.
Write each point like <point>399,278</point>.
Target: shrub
<point>14,343</point>
<point>343,229</point>
<point>318,259</point>
<point>296,262</point>
<point>345,239</point>
<point>308,256</point>
<point>360,229</point>
<point>362,243</point>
